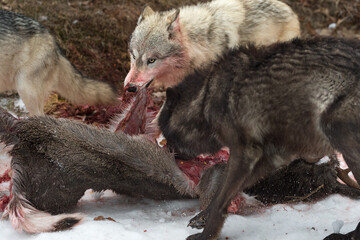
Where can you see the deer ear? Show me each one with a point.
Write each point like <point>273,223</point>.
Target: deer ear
<point>147,11</point>
<point>173,23</point>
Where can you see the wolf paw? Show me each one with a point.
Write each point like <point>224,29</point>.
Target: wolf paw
<point>195,237</point>
<point>200,236</point>
<point>199,221</point>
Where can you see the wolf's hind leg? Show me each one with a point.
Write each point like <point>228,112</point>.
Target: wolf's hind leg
<point>36,74</point>
<point>32,98</point>
<point>33,88</point>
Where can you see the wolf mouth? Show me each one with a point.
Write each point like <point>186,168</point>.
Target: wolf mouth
<point>148,84</point>
<point>134,88</point>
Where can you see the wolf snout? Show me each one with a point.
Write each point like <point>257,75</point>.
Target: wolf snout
<point>132,88</point>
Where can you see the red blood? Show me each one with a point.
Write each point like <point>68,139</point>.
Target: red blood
<point>5,177</point>
<point>236,204</point>
<point>194,168</point>
<point>4,201</point>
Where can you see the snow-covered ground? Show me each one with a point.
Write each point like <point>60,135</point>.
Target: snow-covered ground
<point>144,219</point>
<point>148,219</point>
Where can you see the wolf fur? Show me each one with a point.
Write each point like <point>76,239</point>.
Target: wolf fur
<point>166,46</point>
<point>32,63</point>
<point>269,106</point>
<point>55,161</point>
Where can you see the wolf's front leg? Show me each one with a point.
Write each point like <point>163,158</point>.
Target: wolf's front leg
<point>240,165</point>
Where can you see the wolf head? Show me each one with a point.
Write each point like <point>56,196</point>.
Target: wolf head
<point>156,49</point>
<point>182,119</point>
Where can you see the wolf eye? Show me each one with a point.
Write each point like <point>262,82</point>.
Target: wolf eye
<point>151,60</point>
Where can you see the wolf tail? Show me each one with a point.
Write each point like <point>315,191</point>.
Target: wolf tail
<point>79,89</point>
<point>22,215</point>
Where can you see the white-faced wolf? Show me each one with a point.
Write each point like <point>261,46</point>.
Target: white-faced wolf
<point>32,63</point>
<point>166,46</point>
<point>269,106</point>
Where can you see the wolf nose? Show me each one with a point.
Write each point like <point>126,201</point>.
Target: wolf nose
<point>132,89</point>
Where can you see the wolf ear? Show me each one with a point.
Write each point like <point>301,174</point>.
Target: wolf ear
<point>147,11</point>
<point>173,23</point>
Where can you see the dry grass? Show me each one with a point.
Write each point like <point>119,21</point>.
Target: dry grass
<point>316,15</point>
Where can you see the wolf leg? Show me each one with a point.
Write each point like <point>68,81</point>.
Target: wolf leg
<point>35,77</point>
<point>31,85</point>
<point>213,177</point>
<point>345,137</point>
<point>241,162</point>
<point>341,125</point>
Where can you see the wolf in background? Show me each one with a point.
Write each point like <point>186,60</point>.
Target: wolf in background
<point>32,63</point>
<point>269,106</point>
<point>167,46</point>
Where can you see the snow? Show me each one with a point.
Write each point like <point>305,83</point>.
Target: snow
<point>146,219</point>
<point>20,105</point>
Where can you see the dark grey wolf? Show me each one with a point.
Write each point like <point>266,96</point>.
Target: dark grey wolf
<point>32,63</point>
<point>167,46</point>
<point>269,106</point>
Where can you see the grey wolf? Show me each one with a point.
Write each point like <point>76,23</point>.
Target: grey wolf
<point>297,99</point>
<point>167,46</point>
<point>32,63</point>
